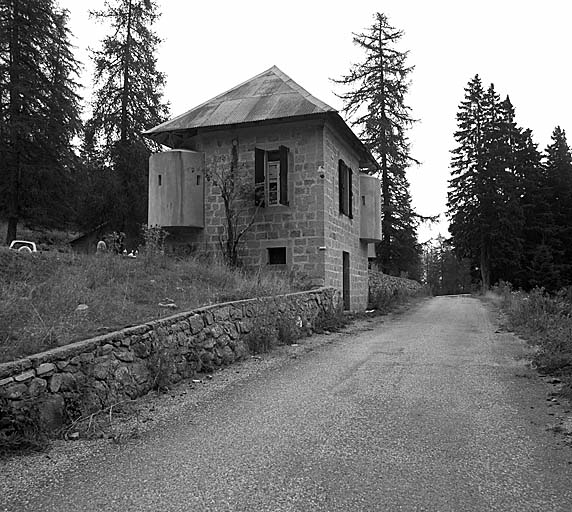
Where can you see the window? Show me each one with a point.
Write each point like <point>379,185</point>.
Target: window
<point>159,181</point>
<point>277,255</point>
<point>271,177</point>
<point>345,189</point>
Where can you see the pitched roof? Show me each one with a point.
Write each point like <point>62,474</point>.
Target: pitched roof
<point>271,95</point>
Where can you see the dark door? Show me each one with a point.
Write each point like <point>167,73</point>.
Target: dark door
<point>346,279</point>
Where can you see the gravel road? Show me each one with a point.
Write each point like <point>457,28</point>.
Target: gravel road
<point>433,409</point>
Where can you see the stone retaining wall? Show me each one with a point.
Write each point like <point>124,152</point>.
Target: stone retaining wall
<point>385,289</point>
<point>83,377</point>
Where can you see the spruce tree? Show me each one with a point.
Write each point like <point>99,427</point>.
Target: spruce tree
<point>376,105</point>
<point>39,113</point>
<point>558,187</point>
<point>128,100</point>
<point>484,202</point>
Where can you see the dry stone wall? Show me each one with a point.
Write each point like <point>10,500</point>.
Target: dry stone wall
<point>89,375</point>
<point>385,289</point>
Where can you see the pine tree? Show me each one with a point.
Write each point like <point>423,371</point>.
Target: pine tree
<point>376,102</point>
<point>128,100</point>
<point>39,113</point>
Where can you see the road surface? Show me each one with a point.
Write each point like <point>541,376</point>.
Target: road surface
<point>430,410</point>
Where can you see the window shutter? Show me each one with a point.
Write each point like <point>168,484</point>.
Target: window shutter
<point>350,195</point>
<point>259,177</point>
<point>341,184</point>
<point>283,175</point>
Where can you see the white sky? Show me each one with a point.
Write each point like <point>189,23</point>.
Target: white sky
<point>522,46</point>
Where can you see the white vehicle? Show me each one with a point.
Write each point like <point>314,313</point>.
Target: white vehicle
<point>23,246</point>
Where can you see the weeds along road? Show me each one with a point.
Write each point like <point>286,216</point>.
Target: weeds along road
<point>427,410</point>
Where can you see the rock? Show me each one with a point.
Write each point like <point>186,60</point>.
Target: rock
<point>14,391</point>
<point>82,307</point>
<point>37,387</point>
<point>105,349</point>
<point>197,324</point>
<point>87,357</point>
<point>68,382</point>
<point>142,348</point>
<point>7,380</point>
<point>102,370</point>
<point>51,410</point>
<point>168,305</point>
<point>30,374</point>
<point>45,369</point>
<point>56,382</point>
<point>125,356</point>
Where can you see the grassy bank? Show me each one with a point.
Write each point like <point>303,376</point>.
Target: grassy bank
<point>546,322</point>
<point>51,299</point>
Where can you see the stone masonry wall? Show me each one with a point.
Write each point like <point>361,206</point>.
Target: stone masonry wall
<point>341,232</point>
<point>89,375</point>
<point>298,227</point>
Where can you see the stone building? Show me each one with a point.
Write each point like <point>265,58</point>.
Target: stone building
<point>299,168</point>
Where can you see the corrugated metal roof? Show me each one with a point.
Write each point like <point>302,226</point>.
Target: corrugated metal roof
<point>269,95</point>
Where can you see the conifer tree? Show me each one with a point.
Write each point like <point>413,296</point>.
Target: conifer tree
<point>489,165</point>
<point>376,105</point>
<point>128,100</point>
<point>558,187</point>
<point>39,113</point>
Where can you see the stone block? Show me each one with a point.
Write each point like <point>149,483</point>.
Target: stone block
<point>14,391</point>
<point>13,367</point>
<point>7,380</point>
<point>105,349</point>
<point>37,387</point>
<point>87,357</point>
<point>45,369</point>
<point>197,323</point>
<point>62,364</point>
<point>68,382</point>
<point>125,355</point>
<point>51,410</point>
<point>142,348</point>
<point>56,382</point>
<point>102,370</point>
<point>22,377</point>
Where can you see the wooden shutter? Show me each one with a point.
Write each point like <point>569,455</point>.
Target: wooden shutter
<point>341,184</point>
<point>283,175</point>
<point>350,195</point>
<point>259,177</point>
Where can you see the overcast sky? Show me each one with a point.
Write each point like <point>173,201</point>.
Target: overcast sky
<point>522,46</point>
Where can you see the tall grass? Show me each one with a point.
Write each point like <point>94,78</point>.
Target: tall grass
<point>40,294</point>
<point>546,321</point>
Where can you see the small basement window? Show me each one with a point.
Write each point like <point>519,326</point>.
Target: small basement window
<point>277,255</point>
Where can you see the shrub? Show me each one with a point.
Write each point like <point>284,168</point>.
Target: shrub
<point>20,429</point>
<point>330,321</point>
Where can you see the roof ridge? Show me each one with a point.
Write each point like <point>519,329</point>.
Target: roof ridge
<point>299,89</point>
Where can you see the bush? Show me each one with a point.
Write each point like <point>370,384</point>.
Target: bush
<point>20,429</point>
<point>546,320</point>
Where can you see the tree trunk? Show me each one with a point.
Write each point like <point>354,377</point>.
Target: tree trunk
<point>126,68</point>
<point>485,267</point>
<point>385,192</point>
<point>15,111</point>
